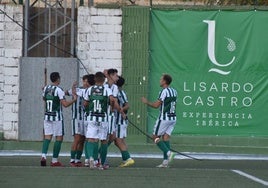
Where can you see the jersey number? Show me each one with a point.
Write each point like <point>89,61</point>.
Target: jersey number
<point>97,106</point>
<point>49,105</point>
<point>172,107</point>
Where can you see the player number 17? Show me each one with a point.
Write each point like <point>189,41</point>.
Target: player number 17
<point>49,105</point>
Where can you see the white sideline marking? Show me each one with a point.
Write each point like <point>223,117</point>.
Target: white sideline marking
<point>251,177</point>
<point>206,156</point>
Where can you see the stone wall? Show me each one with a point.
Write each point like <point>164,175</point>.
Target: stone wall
<point>99,39</point>
<point>10,52</point>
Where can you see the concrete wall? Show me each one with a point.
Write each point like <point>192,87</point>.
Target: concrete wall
<point>10,52</point>
<point>98,47</point>
<point>99,39</point>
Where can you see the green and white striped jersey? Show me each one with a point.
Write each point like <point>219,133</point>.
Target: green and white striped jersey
<point>78,111</point>
<point>168,96</point>
<point>115,91</point>
<point>122,100</point>
<point>98,98</point>
<point>53,108</point>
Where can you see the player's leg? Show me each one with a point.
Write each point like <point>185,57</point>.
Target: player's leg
<point>103,153</point>
<point>91,148</point>
<point>86,153</point>
<point>163,129</point>
<point>75,141</point>
<point>85,143</point>
<point>80,143</point>
<point>79,153</point>
<point>48,132</point>
<point>103,132</point>
<point>92,141</point>
<point>111,129</point>
<point>166,138</point>
<point>126,158</point>
<point>58,132</point>
<point>111,138</point>
<point>111,135</point>
<point>120,142</point>
<point>74,149</point>
<point>158,132</point>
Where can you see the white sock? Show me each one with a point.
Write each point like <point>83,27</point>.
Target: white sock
<point>165,162</point>
<point>54,160</point>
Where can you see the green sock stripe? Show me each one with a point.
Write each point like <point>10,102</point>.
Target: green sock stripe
<point>73,153</point>
<point>125,155</point>
<point>167,144</point>
<point>96,150</point>
<point>90,149</point>
<point>103,153</point>
<point>165,156</point>
<point>45,146</point>
<point>86,151</point>
<point>79,154</point>
<point>56,149</point>
<point>163,147</point>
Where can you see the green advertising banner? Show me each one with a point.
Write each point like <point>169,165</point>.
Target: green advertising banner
<point>219,64</point>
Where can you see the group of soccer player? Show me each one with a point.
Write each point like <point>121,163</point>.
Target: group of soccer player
<point>99,114</point>
<point>99,118</point>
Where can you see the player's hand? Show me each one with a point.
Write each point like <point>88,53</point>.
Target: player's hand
<point>105,72</point>
<point>144,100</point>
<point>75,96</point>
<point>74,86</point>
<point>123,114</point>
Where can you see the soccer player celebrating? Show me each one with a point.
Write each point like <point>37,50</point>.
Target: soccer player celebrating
<point>96,101</point>
<point>112,77</point>
<point>166,121</point>
<point>121,125</point>
<point>54,98</point>
<point>78,121</point>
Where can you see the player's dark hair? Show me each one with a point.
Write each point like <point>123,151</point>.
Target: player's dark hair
<point>99,77</point>
<point>120,82</point>
<point>54,76</point>
<point>89,78</point>
<point>85,77</point>
<point>112,71</point>
<point>167,78</point>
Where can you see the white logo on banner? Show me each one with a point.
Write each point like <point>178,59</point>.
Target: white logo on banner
<point>211,49</point>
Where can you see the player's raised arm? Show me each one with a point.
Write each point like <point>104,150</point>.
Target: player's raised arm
<point>155,104</point>
<point>66,103</point>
